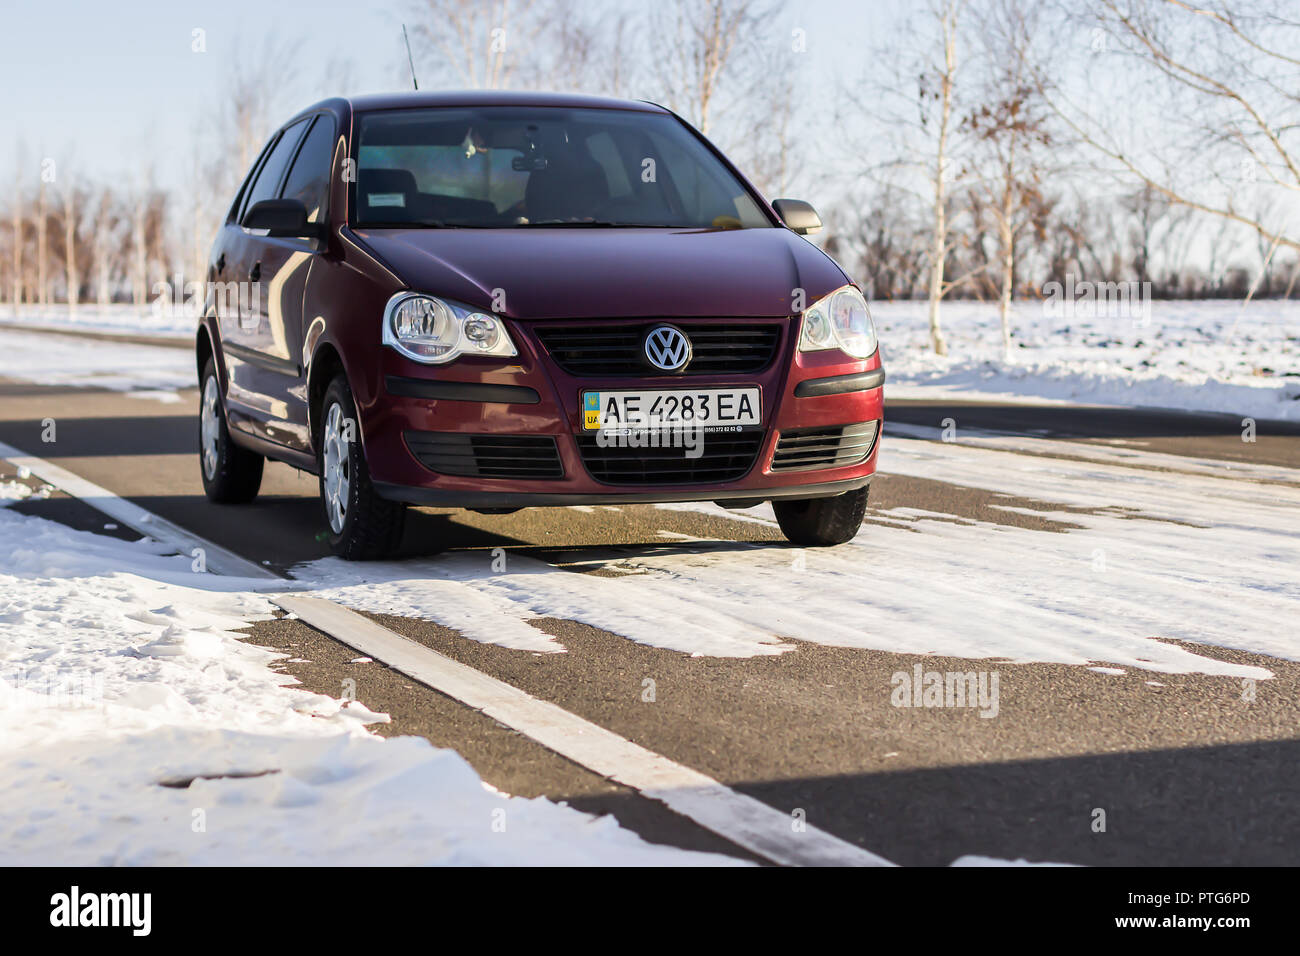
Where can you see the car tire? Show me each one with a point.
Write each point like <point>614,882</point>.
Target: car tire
<point>821,522</point>
<point>231,474</point>
<point>362,525</point>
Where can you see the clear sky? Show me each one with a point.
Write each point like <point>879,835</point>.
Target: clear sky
<point>92,82</point>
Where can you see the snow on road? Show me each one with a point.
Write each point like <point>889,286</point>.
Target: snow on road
<point>137,728</point>
<point>1209,356</point>
<point>1157,557</point>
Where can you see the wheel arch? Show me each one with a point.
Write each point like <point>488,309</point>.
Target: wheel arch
<point>326,363</point>
<point>203,350</point>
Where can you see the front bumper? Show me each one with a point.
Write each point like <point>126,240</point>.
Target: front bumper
<point>535,397</point>
<point>663,494</point>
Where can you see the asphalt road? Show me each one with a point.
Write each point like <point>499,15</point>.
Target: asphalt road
<point>1188,775</point>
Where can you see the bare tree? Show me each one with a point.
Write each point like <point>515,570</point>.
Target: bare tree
<point>495,44</point>
<point>102,259</point>
<point>139,247</point>
<point>73,275</point>
<point>768,122</point>
<point>700,44</point>
<point>915,94</point>
<point>1010,126</point>
<point>888,240</point>
<point>1230,67</point>
<point>256,78</point>
<point>42,239</point>
<point>18,239</point>
<point>480,43</point>
<point>937,87</point>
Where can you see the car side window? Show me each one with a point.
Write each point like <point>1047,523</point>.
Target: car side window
<point>309,177</point>
<point>237,205</point>
<point>267,184</point>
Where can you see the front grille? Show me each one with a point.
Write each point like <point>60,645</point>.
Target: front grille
<point>487,456</point>
<point>802,448</point>
<point>724,456</point>
<point>598,349</point>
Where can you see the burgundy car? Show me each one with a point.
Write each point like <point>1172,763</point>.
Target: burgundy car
<point>500,300</point>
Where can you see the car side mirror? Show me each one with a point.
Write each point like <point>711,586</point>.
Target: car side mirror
<point>798,215</point>
<point>284,218</point>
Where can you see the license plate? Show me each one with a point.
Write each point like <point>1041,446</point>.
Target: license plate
<point>674,408</point>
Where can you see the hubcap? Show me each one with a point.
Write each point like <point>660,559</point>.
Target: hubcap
<point>337,471</point>
<point>210,427</point>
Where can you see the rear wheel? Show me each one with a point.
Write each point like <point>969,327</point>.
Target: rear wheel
<point>363,526</point>
<point>819,522</point>
<point>231,475</point>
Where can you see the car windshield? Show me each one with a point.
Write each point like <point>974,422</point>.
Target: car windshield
<point>512,167</point>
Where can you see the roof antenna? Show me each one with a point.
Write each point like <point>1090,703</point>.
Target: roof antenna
<point>409,62</point>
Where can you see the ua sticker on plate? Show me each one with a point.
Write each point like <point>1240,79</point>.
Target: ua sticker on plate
<point>591,410</point>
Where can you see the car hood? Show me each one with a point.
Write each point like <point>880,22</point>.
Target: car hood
<point>610,273</point>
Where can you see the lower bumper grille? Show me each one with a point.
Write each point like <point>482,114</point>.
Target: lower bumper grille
<point>487,456</point>
<point>723,457</point>
<point>800,449</point>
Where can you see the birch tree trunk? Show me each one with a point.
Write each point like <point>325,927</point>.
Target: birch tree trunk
<point>99,251</point>
<point>138,258</point>
<point>42,244</point>
<point>939,239</point>
<point>1007,237</point>
<point>18,249</point>
<point>70,249</point>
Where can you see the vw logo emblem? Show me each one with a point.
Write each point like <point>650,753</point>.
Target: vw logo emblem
<point>667,348</point>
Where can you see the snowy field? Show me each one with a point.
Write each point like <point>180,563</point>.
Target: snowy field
<point>143,371</point>
<point>1209,356</point>
<point>157,320</point>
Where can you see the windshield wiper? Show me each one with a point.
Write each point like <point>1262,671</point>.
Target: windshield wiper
<point>405,224</point>
<point>597,224</point>
<point>432,224</point>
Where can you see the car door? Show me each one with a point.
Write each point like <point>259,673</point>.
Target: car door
<point>285,266</point>
<point>260,310</point>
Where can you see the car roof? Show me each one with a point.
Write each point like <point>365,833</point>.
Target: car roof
<point>429,98</point>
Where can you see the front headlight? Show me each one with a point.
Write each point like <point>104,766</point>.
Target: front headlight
<point>435,331</point>
<point>840,320</point>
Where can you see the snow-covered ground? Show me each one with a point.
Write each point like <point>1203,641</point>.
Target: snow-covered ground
<point>146,371</point>
<point>1211,356</point>
<point>153,320</point>
<point>121,679</point>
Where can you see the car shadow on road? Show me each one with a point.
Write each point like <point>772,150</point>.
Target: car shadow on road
<point>103,437</point>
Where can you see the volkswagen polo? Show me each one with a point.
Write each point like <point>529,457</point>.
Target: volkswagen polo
<point>500,300</point>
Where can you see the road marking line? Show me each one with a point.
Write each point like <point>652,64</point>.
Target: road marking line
<point>218,559</point>
<point>745,821</point>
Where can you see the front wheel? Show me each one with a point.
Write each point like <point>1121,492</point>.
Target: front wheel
<point>820,522</point>
<point>231,475</point>
<point>363,526</point>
